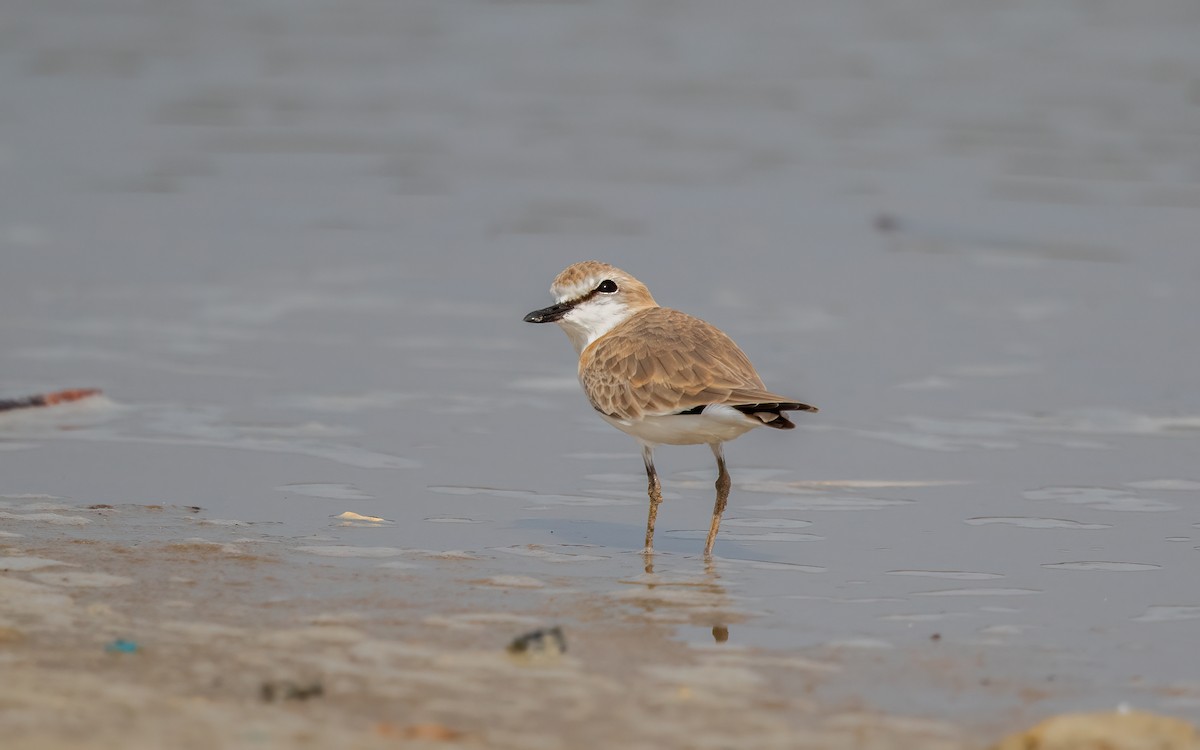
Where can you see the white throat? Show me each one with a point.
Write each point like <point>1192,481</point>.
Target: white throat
<point>592,319</point>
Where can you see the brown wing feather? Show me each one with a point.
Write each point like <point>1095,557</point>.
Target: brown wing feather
<point>662,361</point>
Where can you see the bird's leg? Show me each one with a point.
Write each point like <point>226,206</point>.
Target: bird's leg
<point>654,490</point>
<point>723,484</point>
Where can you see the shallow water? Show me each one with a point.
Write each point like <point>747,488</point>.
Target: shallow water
<point>293,246</point>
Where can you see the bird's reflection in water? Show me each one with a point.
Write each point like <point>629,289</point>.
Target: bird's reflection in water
<point>679,597</point>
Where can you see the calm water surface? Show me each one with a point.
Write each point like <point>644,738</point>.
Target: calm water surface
<point>293,244</point>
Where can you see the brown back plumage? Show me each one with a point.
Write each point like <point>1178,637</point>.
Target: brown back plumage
<point>662,361</point>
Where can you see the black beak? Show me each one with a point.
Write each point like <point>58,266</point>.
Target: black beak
<point>549,314</point>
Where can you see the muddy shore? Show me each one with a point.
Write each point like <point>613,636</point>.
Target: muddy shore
<point>211,643</point>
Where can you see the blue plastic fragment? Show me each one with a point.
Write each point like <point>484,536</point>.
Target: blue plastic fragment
<point>121,646</point>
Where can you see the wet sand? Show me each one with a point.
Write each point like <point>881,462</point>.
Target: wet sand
<point>232,649</point>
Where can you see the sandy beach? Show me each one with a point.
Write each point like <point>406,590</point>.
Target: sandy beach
<point>228,650</point>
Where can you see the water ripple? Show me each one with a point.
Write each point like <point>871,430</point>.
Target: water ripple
<point>329,491</point>
<point>1026,522</point>
<point>1120,567</point>
<point>542,500</point>
<point>1169,613</point>
<point>957,575</point>
<point>1100,498</point>
<point>979,592</point>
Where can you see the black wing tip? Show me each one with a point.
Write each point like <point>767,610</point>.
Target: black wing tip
<point>780,420</point>
<point>777,408</point>
<point>781,423</point>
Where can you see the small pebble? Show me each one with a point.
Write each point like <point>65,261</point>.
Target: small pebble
<point>286,690</point>
<point>541,641</point>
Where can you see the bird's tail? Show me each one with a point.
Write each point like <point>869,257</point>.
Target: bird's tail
<point>772,414</point>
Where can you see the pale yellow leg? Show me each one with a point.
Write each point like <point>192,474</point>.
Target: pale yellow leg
<point>722,485</point>
<point>654,490</point>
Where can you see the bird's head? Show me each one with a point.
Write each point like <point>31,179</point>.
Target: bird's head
<point>590,299</point>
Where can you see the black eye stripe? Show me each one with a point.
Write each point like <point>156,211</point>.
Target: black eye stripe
<point>608,286</point>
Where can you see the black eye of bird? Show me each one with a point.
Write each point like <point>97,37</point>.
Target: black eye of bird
<point>608,286</point>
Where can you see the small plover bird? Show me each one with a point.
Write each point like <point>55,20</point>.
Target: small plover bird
<point>660,375</point>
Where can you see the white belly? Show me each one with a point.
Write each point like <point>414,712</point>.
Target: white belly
<point>716,424</point>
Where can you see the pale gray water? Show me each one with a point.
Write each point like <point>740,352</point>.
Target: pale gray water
<point>293,243</point>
